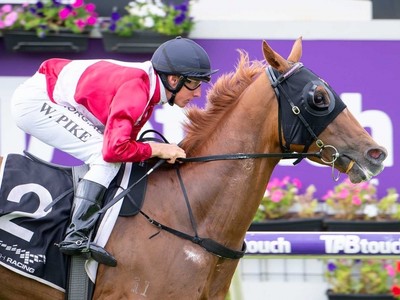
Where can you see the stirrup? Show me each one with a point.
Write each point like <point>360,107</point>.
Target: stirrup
<point>88,250</point>
<point>101,255</point>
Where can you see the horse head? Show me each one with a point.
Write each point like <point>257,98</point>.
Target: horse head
<point>314,118</point>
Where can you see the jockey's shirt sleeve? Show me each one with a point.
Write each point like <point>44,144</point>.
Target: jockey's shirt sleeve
<point>128,112</point>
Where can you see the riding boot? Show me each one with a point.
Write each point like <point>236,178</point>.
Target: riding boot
<point>84,217</point>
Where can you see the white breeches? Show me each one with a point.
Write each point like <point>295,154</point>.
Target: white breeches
<point>62,127</point>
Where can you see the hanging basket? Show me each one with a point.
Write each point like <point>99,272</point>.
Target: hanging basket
<point>28,41</point>
<point>334,296</point>
<point>298,224</point>
<point>139,42</point>
<point>360,225</point>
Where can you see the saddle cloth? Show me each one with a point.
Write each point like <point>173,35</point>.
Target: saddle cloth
<point>28,233</point>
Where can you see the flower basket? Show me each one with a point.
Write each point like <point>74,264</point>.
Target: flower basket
<point>361,225</point>
<point>28,41</point>
<point>295,224</point>
<point>140,42</point>
<point>334,296</point>
<point>146,25</point>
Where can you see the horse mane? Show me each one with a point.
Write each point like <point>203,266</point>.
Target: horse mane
<point>223,94</point>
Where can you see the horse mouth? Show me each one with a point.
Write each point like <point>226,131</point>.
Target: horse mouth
<point>361,170</point>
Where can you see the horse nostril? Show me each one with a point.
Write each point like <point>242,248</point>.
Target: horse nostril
<point>378,154</point>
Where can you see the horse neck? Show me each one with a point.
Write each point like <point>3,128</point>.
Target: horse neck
<point>232,189</point>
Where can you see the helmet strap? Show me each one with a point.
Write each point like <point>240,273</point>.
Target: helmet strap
<point>174,91</point>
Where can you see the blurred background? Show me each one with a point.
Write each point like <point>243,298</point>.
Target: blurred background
<point>353,44</point>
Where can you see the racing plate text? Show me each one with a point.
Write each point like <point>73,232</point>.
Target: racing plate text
<point>353,244</point>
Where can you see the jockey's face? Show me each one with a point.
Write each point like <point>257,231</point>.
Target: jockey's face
<point>191,89</point>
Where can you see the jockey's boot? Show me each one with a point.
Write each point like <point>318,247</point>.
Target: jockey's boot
<point>89,199</point>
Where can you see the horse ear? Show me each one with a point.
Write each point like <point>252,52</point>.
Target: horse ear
<point>296,52</point>
<point>274,59</point>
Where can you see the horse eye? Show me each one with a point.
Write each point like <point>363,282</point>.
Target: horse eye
<point>321,98</point>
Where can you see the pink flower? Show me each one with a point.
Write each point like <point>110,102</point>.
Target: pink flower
<point>64,13</point>
<point>273,184</point>
<point>6,8</point>
<point>329,194</point>
<point>297,183</point>
<point>390,270</point>
<point>91,20</point>
<point>285,180</point>
<point>343,193</point>
<point>356,200</point>
<point>90,7</point>
<point>80,23</point>
<point>77,3</point>
<point>276,196</point>
<point>10,18</point>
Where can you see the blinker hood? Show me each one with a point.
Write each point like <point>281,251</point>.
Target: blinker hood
<point>297,90</point>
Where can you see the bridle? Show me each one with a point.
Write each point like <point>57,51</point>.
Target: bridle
<point>276,83</point>
<point>280,92</point>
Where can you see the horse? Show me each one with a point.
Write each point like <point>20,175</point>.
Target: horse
<point>261,112</point>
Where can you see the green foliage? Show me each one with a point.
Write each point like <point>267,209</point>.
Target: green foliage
<point>366,276</point>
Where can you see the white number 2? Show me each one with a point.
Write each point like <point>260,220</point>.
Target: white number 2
<point>16,195</point>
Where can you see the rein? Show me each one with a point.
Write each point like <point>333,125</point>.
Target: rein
<point>209,244</point>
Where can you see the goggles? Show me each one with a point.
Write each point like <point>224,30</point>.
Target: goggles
<point>191,84</point>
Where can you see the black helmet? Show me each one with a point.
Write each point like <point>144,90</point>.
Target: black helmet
<point>181,56</point>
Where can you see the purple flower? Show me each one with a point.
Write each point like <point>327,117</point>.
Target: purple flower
<point>180,18</point>
<point>39,5</point>
<point>331,267</point>
<point>56,3</point>
<point>115,16</point>
<point>112,27</point>
<point>184,6</point>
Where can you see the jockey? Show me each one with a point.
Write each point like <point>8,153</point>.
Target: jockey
<point>94,110</point>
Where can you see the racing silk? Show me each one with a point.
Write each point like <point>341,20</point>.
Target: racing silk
<point>114,95</point>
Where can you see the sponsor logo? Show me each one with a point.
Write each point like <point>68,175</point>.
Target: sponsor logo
<point>354,244</point>
<point>21,258</point>
<point>278,246</point>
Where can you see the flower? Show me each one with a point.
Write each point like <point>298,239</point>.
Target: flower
<point>307,203</point>
<point>282,195</point>
<point>152,15</point>
<point>360,201</point>
<point>8,15</point>
<point>366,276</point>
<point>51,16</point>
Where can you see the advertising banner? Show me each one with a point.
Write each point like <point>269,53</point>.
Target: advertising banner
<point>323,243</point>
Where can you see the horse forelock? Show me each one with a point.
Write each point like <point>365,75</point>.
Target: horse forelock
<point>226,91</point>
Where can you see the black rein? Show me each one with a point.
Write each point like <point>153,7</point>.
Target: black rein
<point>208,244</point>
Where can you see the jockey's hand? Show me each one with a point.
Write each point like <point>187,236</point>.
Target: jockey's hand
<point>170,152</point>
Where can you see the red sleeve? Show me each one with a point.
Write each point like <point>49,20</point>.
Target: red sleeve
<point>120,134</point>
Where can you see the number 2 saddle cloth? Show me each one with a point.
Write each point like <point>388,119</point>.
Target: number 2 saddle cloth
<point>30,227</point>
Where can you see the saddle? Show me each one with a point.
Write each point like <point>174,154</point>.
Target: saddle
<point>133,201</point>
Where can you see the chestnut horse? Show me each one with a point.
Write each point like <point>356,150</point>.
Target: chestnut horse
<point>245,113</point>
